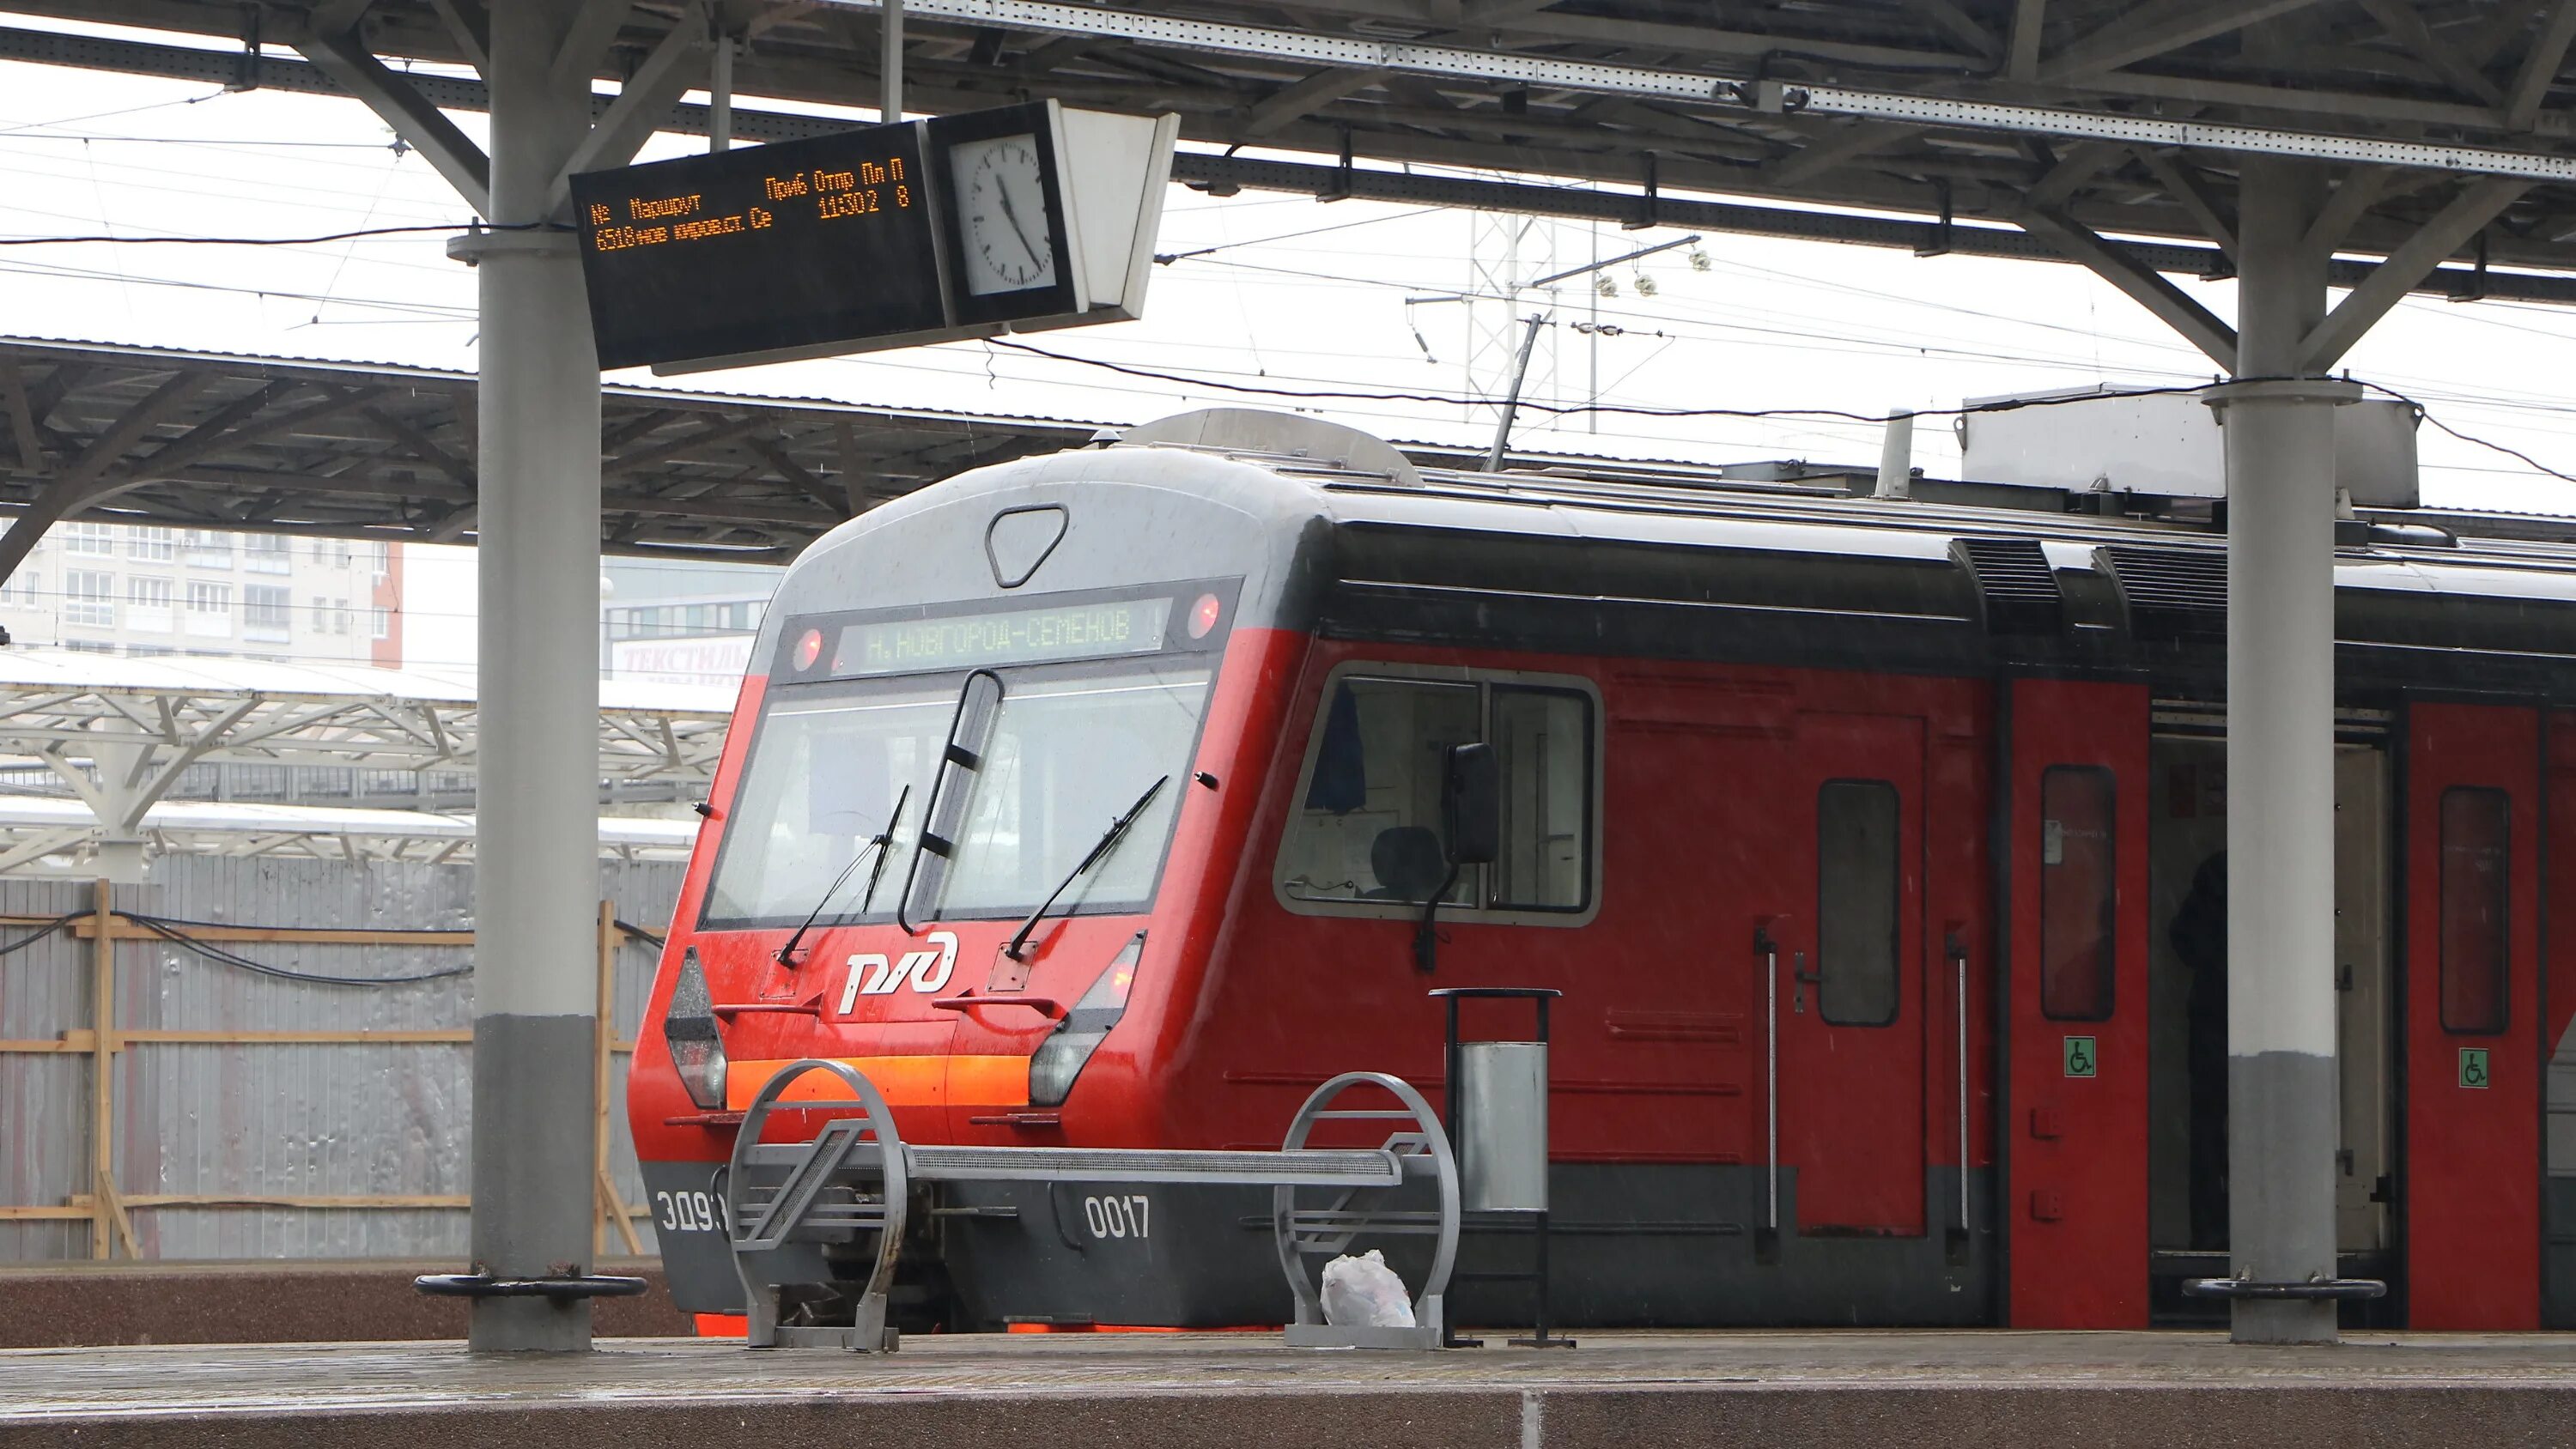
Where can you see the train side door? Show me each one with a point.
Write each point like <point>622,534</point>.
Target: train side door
<point>2076,865</point>
<point>1848,964</point>
<point>2473,1031</point>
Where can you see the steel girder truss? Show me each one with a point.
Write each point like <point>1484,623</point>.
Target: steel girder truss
<point>2472,71</point>
<point>199,440</point>
<point>119,734</point>
<point>40,836</point>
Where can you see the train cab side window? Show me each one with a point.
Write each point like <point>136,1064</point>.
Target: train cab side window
<point>1368,829</point>
<point>2477,856</point>
<point>1544,740</point>
<point>1857,892</point>
<point>2078,892</point>
<point>1370,826</point>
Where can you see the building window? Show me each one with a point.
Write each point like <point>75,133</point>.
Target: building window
<point>379,560</point>
<point>89,540</point>
<point>21,588</point>
<point>339,616</point>
<point>2078,892</point>
<point>2477,904</point>
<point>210,609</point>
<point>148,602</point>
<point>1858,885</point>
<point>148,651</point>
<point>208,550</point>
<point>268,553</point>
<point>89,646</point>
<point>89,597</point>
<point>1369,830</point>
<point>380,624</point>
<point>155,545</point>
<point>267,612</point>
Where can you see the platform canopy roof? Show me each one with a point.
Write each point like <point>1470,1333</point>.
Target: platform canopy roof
<point>118,734</point>
<point>41,835</point>
<point>2384,74</point>
<point>279,445</point>
<point>64,704</point>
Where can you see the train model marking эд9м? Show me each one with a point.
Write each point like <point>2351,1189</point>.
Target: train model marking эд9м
<point>1097,800</point>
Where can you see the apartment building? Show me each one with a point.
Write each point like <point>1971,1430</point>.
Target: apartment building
<point>117,589</point>
<point>680,621</point>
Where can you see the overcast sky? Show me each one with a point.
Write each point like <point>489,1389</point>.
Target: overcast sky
<point>1294,294</point>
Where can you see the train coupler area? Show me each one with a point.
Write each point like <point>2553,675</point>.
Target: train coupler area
<point>817,1229</point>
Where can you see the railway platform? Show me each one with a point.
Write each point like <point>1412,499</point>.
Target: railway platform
<point>1996,1390</point>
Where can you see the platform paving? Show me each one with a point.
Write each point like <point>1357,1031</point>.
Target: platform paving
<point>1623,1391</point>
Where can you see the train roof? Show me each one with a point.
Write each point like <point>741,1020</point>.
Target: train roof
<point>1793,564</point>
<point>1823,568</point>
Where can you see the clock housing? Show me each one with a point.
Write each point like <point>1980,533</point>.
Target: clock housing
<point>1008,235</point>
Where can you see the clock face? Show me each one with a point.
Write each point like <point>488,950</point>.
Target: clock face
<point>1001,204</point>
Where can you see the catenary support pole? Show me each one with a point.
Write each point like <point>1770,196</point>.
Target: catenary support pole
<point>720,93</point>
<point>2282,1118</point>
<point>1896,456</point>
<point>538,560</point>
<point>890,104</point>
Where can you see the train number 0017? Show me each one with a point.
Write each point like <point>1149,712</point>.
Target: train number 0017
<point>688,1212</point>
<point>1119,1217</point>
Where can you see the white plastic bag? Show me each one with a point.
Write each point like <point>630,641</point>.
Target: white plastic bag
<point>1364,1292</point>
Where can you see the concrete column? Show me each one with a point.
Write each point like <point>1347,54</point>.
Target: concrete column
<point>537,875</point>
<point>2282,1123</point>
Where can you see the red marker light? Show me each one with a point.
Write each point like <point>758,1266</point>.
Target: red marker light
<point>1203,615</point>
<point>809,649</point>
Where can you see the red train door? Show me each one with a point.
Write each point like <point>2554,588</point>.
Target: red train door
<point>2473,1027</point>
<point>2076,1211</point>
<point>1849,972</point>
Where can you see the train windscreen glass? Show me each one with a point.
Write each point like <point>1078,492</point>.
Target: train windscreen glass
<point>1067,756</point>
<point>826,769</point>
<point>859,711</point>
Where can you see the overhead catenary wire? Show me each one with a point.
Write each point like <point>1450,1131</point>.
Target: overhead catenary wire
<point>50,928</point>
<point>353,234</point>
<point>173,930</point>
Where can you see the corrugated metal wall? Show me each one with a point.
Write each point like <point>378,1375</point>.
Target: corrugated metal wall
<point>272,1119</point>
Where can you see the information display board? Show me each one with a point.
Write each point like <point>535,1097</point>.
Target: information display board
<point>762,248</point>
<point>1025,216</point>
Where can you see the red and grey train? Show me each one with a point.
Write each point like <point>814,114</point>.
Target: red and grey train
<point>1865,839</point>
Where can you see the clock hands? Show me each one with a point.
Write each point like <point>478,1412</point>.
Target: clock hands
<point>1011,214</point>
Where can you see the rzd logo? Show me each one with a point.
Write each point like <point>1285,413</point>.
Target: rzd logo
<point>871,974</point>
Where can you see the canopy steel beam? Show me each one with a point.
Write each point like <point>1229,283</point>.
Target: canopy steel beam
<point>412,115</point>
<point>2150,31</point>
<point>674,65</point>
<point>2148,288</point>
<point>2540,66</point>
<point>2477,204</point>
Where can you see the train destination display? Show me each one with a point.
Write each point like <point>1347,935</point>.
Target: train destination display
<point>1025,216</point>
<point>1021,636</point>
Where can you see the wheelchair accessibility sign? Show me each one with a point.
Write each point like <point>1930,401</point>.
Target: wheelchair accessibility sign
<point>2473,1066</point>
<point>2079,1056</point>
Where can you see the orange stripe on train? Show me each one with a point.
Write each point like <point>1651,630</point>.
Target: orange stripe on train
<point>906,1081</point>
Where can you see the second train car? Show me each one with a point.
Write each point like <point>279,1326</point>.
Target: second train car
<point>1873,844</point>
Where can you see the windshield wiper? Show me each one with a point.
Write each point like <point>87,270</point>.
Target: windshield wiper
<point>1108,842</point>
<point>876,847</point>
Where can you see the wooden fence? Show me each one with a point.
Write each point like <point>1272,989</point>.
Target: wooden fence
<point>109,1211</point>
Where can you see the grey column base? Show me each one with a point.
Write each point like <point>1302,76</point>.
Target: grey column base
<point>532,1176</point>
<point>2281,1135</point>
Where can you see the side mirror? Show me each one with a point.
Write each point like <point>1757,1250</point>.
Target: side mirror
<point>1471,804</point>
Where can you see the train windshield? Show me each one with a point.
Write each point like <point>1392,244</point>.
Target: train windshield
<point>1070,747</point>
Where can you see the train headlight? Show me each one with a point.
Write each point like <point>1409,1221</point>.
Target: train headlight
<point>1061,1057</point>
<point>689,1027</point>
